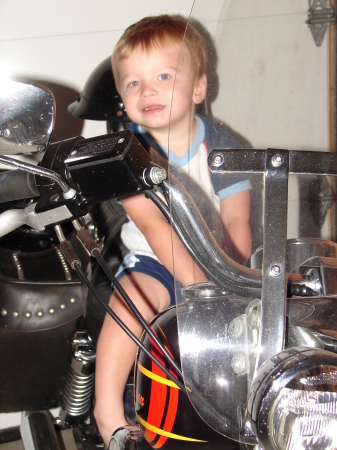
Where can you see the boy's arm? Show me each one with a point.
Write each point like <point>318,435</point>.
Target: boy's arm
<point>160,237</point>
<point>235,215</point>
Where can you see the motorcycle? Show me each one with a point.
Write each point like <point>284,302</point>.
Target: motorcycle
<point>246,360</point>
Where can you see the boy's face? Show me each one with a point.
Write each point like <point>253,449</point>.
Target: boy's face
<point>156,95</point>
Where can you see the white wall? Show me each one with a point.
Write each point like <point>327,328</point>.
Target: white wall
<point>277,89</point>
<point>63,41</point>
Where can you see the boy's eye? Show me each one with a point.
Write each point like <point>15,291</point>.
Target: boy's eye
<point>164,76</point>
<point>133,83</point>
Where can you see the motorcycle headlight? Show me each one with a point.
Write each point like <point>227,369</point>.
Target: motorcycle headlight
<point>292,403</point>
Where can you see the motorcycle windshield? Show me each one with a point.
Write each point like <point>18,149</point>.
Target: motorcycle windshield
<point>267,89</point>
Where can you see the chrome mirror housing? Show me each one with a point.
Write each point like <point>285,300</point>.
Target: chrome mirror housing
<point>27,117</point>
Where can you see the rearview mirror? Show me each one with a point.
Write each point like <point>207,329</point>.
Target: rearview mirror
<point>27,116</point>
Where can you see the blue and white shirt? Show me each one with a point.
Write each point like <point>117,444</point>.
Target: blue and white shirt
<point>193,167</point>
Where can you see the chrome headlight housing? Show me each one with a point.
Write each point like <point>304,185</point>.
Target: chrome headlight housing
<point>292,403</point>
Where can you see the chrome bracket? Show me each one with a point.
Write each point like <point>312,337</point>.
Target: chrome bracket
<point>321,15</point>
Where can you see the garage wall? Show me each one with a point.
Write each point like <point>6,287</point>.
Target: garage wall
<point>279,78</point>
<point>62,42</point>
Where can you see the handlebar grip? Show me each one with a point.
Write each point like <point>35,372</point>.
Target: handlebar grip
<point>17,185</point>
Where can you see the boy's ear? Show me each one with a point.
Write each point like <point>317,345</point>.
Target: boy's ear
<point>200,89</point>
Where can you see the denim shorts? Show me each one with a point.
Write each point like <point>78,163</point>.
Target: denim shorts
<point>135,262</point>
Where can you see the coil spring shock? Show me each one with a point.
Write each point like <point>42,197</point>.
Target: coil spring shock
<point>79,386</point>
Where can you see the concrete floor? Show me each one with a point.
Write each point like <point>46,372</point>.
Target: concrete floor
<point>16,445</point>
<point>67,437</point>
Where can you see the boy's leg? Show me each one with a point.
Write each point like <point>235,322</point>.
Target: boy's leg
<point>116,351</point>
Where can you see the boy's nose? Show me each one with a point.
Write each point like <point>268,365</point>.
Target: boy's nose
<point>148,90</point>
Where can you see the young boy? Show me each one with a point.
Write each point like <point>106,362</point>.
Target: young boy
<point>161,83</point>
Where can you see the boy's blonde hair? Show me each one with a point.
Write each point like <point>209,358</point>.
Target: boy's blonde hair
<point>158,31</point>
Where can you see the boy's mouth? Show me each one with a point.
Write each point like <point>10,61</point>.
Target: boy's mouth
<point>153,108</point>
